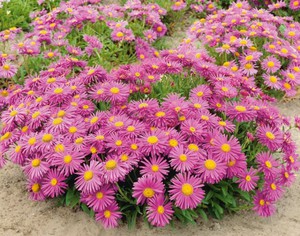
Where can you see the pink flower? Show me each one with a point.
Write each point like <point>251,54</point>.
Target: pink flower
<point>146,188</point>
<point>89,178</point>
<point>156,167</point>
<point>109,216</point>
<point>182,159</point>
<point>186,191</point>
<point>267,164</point>
<point>248,180</point>
<point>211,169</point>
<point>271,64</point>
<point>270,137</point>
<point>262,205</point>
<point>154,143</point>
<point>53,184</point>
<point>100,199</point>
<point>159,211</point>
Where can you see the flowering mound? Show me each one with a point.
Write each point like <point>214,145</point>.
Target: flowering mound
<point>174,136</point>
<point>254,44</point>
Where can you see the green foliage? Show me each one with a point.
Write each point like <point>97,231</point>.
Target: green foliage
<point>16,12</point>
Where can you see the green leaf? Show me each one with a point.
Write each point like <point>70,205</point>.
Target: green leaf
<point>85,208</point>
<point>203,214</point>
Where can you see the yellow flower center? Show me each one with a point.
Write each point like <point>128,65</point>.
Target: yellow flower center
<point>72,129</point>
<point>59,148</point>
<point>262,202</point>
<point>119,124</point>
<point>152,139</point>
<point>134,146</point>
<point>124,157</point>
<point>268,164</point>
<point>99,137</point>
<point>130,128</point>
<point>248,178</point>
<point>224,89</point>
<point>120,34</point>
<point>13,113</point>
<point>111,165</point>
<point>160,114</point>
<point>183,157</point>
<point>94,120</point>
<point>35,114</point>
<point>284,50</point>
<point>6,67</point>
<point>91,71</point>
<point>85,107</point>
<point>53,182</point>
<point>187,189</point>
<point>88,175</point>
<point>47,138</point>
<point>270,135</point>
<point>58,90</point>
<point>192,129</point>
<point>197,105</point>
<point>32,141</point>
<point>51,80</point>
<point>210,164</point>
<point>249,58</point>
<point>286,175</point>
<point>226,46</point>
<point>160,209</point>
<point>99,195</point>
<point>222,123</point>
<point>67,159</point>
<point>118,142</point>
<point>273,79</point>
<point>35,162</point>
<point>17,148</point>
<point>173,143</point>
<point>225,147</point>
<point>148,192</point>
<point>93,150</point>
<point>107,214</point>
<point>57,121</point>
<point>273,186</point>
<point>79,140</point>
<point>240,108</point>
<point>248,66</point>
<point>35,188</point>
<point>50,54</point>
<point>287,86</point>
<point>193,147</point>
<point>271,64</point>
<point>114,90</point>
<point>155,168</point>
<point>296,3</point>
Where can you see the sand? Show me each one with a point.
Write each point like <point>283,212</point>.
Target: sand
<point>20,216</point>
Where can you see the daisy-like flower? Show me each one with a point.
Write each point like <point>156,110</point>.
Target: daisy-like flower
<point>262,205</point>
<point>248,180</point>
<point>272,81</point>
<point>271,64</point>
<point>273,189</point>
<point>267,164</point>
<point>36,167</point>
<point>241,112</point>
<point>159,211</point>
<point>193,130</point>
<point>150,35</point>
<point>155,167</point>
<point>116,92</point>
<point>109,216</point>
<point>68,161</point>
<point>295,5</point>
<point>7,70</point>
<point>226,149</point>
<point>211,169</point>
<point>270,137</point>
<point>100,199</point>
<point>186,191</point>
<point>53,184</point>
<point>89,178</point>
<point>154,142</point>
<point>182,159</point>
<point>113,169</point>
<point>35,190</point>
<point>287,177</point>
<point>146,188</point>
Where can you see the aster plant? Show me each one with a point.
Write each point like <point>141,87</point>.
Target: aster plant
<point>178,134</point>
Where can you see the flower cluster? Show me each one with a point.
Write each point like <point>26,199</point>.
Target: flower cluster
<point>255,45</point>
<point>157,135</point>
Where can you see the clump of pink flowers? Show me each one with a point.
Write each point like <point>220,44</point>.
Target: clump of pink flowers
<point>159,136</point>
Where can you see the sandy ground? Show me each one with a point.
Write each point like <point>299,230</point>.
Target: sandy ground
<point>21,216</point>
